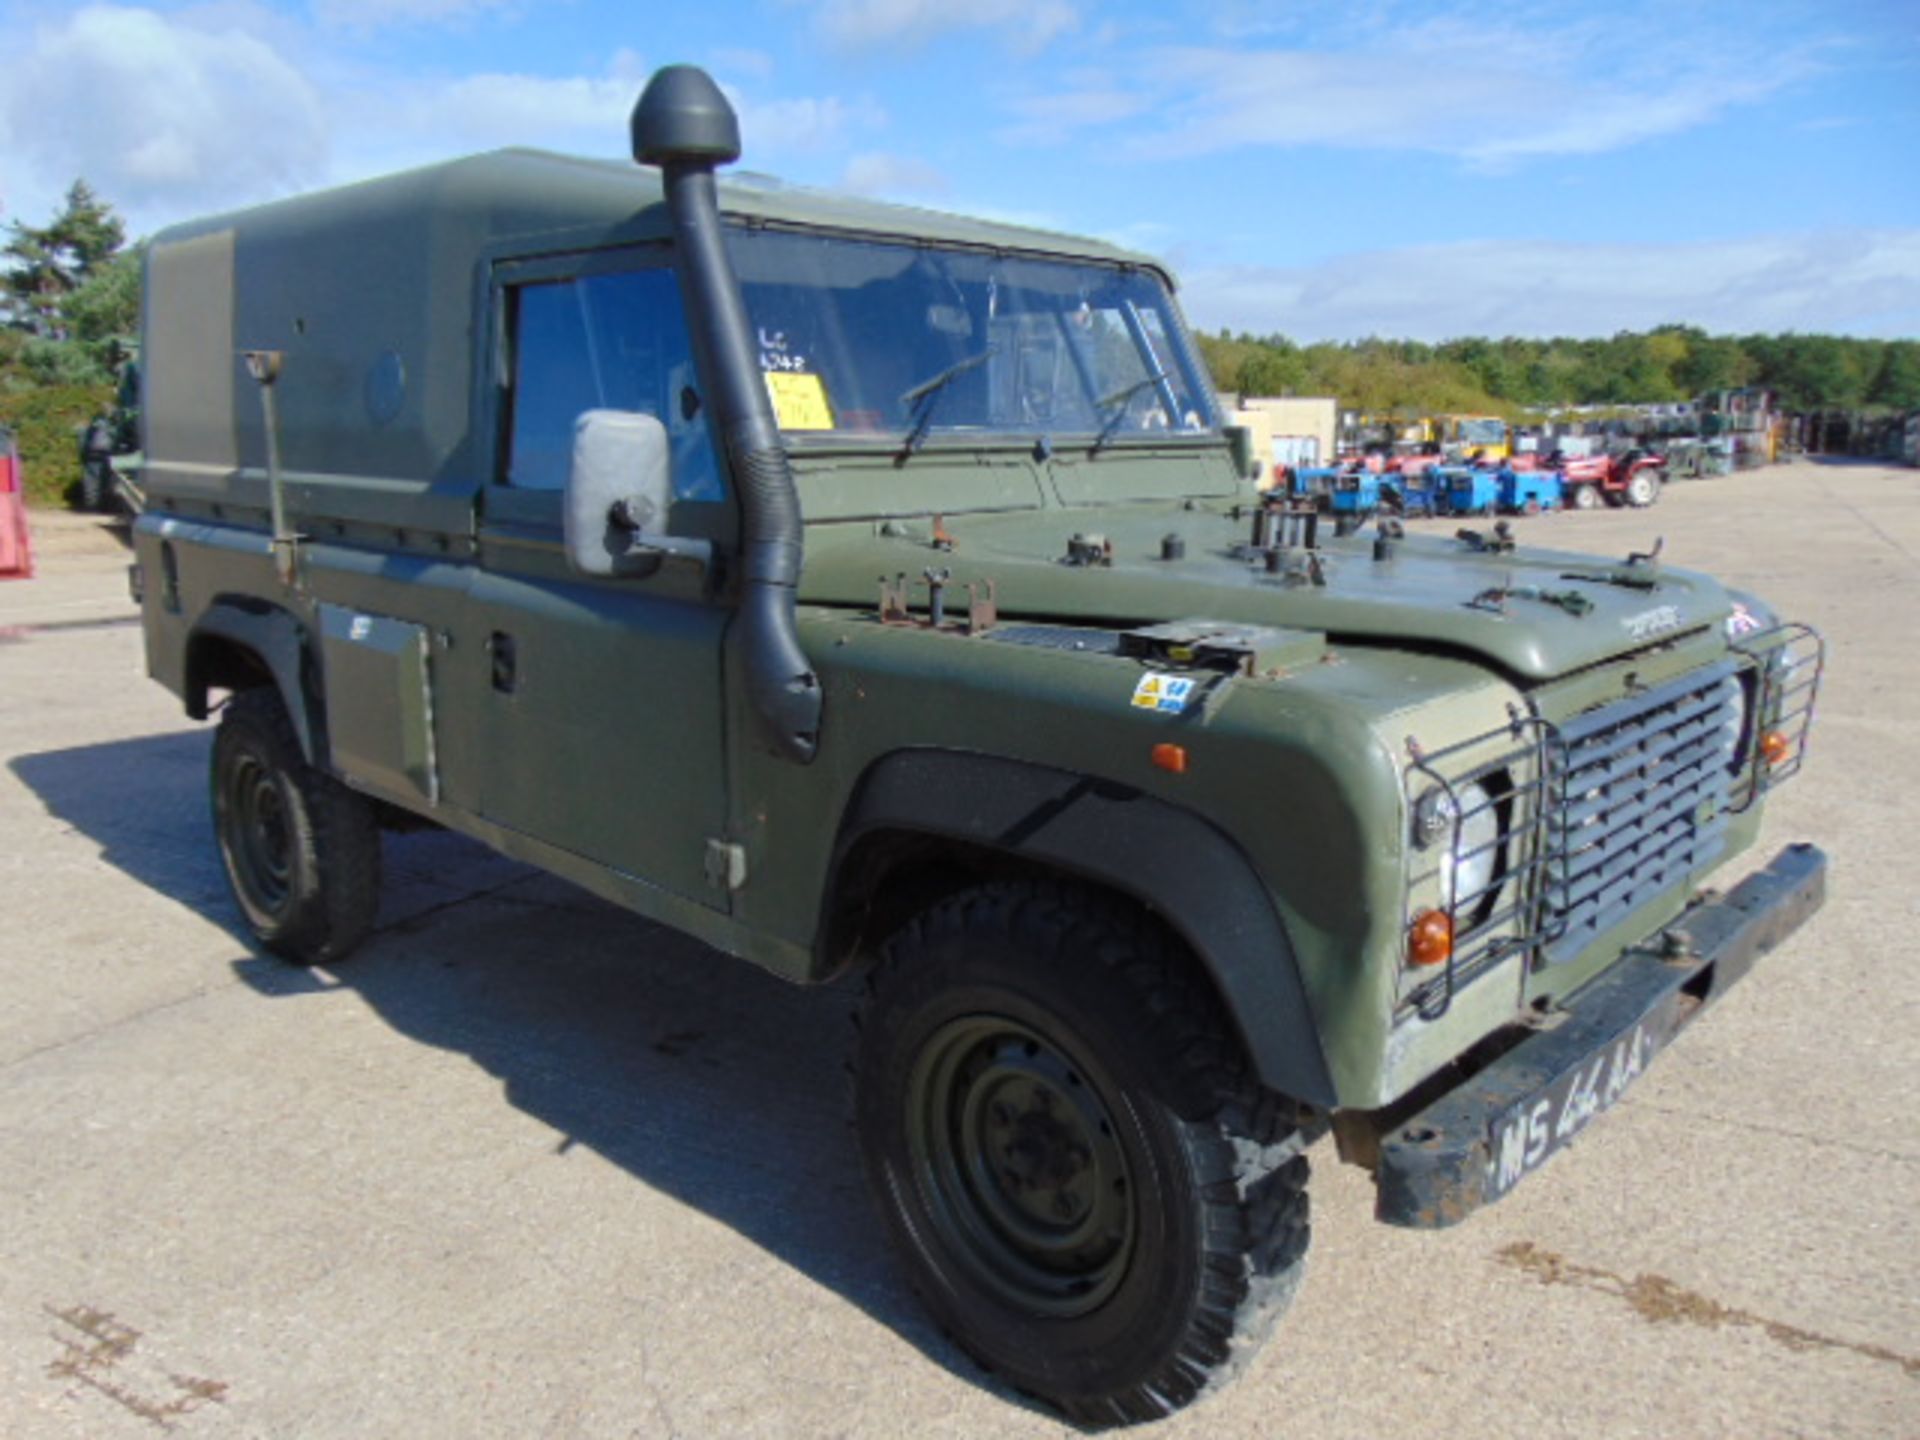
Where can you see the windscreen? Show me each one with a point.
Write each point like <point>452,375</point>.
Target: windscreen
<point>879,339</point>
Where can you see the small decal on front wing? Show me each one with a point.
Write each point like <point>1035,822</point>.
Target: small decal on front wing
<point>1166,693</point>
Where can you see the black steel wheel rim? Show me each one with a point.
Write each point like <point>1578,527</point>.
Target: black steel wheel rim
<point>259,834</point>
<point>1019,1164</point>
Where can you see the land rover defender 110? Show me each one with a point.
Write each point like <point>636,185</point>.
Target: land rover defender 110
<point>876,593</point>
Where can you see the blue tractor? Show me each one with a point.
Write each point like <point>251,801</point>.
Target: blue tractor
<point>1355,492</point>
<point>1315,483</point>
<point>1417,492</point>
<point>1528,492</point>
<point>1468,489</point>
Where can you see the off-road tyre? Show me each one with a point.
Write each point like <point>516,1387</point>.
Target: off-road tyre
<point>1643,489</point>
<point>1584,497</point>
<point>301,851</point>
<point>1157,1192</point>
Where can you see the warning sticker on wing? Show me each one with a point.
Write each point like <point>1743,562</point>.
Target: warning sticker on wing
<point>1166,693</point>
<point>799,400</point>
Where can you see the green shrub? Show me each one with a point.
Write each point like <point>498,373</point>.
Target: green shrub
<point>67,362</point>
<point>46,422</point>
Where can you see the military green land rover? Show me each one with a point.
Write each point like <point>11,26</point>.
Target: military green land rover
<point>875,592</point>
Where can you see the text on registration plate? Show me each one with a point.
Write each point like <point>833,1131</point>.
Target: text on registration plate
<point>1527,1134</point>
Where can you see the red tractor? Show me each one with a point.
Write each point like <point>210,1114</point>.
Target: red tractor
<point>1631,477</point>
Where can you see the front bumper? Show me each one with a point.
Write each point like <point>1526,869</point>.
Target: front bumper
<point>1477,1141</point>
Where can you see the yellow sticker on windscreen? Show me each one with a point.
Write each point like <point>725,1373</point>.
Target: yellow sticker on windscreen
<point>799,400</point>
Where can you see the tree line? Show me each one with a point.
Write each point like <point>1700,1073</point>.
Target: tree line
<point>1515,376</point>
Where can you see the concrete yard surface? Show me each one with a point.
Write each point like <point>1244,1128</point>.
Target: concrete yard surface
<point>530,1166</point>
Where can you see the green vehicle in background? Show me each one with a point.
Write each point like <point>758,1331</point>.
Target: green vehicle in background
<point>871,592</point>
<point>110,447</point>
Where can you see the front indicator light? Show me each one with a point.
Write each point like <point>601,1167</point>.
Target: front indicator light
<point>1429,938</point>
<point>1775,747</point>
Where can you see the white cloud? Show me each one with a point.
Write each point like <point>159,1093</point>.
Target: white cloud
<point>1025,26</point>
<point>1491,90</point>
<point>1843,281</point>
<point>157,113</point>
<point>1417,101</point>
<point>585,114</point>
<point>174,115</point>
<point>875,172</point>
<point>803,125</point>
<point>477,112</point>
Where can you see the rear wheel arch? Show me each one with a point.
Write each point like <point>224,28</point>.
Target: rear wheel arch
<point>240,643</point>
<point>925,824</point>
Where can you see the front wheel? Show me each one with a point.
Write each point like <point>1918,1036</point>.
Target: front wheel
<point>1088,1195</point>
<point>1584,497</point>
<point>301,851</point>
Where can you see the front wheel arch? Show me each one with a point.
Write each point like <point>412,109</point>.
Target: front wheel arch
<point>1021,818</point>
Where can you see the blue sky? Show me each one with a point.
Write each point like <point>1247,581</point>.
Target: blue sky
<point>1422,169</point>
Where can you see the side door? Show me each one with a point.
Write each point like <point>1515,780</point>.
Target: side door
<point>602,700</point>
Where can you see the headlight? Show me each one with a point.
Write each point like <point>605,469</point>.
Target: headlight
<point>1467,823</point>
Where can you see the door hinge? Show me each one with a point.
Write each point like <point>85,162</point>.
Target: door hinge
<point>726,865</point>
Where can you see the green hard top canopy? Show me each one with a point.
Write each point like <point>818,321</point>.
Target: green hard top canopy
<point>503,196</point>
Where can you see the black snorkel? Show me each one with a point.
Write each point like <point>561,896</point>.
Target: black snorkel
<point>684,125</point>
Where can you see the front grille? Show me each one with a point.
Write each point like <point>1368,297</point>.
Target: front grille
<point>1593,818</point>
<point>1637,802</point>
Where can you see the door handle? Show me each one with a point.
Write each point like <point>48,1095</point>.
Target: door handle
<point>500,649</point>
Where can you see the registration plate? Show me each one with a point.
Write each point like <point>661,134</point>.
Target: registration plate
<point>1523,1137</point>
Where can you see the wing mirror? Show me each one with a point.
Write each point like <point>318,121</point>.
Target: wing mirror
<point>618,491</point>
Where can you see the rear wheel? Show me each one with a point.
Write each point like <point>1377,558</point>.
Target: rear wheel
<point>1089,1195</point>
<point>301,851</point>
<point>1642,490</point>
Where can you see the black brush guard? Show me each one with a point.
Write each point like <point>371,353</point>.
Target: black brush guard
<point>1588,820</point>
<point>1593,819</point>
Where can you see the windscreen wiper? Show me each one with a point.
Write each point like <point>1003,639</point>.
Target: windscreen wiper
<point>926,394</point>
<point>1120,398</point>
